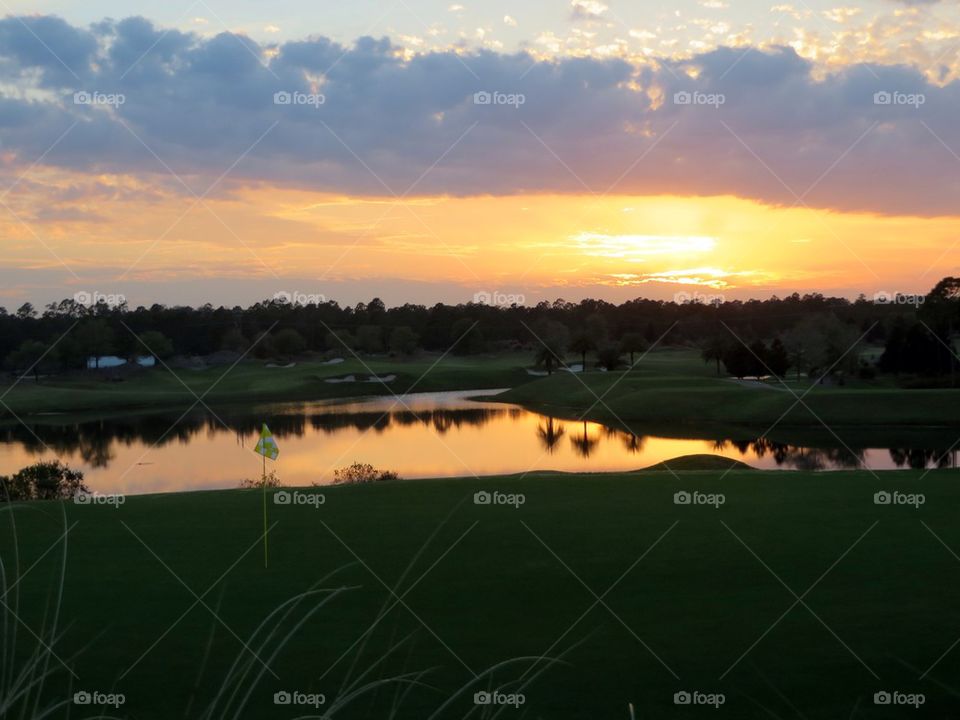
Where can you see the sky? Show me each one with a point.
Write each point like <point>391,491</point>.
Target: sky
<point>419,151</point>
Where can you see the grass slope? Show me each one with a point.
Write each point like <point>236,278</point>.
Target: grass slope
<point>674,386</point>
<point>251,381</point>
<point>489,582</point>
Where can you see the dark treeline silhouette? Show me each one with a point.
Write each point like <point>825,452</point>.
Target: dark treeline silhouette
<point>807,333</point>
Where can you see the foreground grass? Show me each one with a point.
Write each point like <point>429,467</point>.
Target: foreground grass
<point>699,598</point>
<point>252,381</point>
<point>674,386</point>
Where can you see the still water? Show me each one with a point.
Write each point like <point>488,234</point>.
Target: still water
<point>418,435</point>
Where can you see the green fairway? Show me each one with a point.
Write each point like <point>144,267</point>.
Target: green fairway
<point>671,386</point>
<point>675,386</point>
<point>252,381</point>
<point>798,596</point>
<point>666,386</point>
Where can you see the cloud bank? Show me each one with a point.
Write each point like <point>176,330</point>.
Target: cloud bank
<point>127,97</point>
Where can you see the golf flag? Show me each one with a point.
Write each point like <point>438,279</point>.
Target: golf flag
<point>267,446</point>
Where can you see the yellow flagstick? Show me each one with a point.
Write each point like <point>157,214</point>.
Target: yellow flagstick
<point>266,446</point>
<point>264,510</point>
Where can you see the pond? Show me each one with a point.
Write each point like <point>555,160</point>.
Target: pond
<point>418,435</point>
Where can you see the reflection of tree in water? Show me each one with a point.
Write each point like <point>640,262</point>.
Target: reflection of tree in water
<point>584,445</point>
<point>550,433</point>
<point>920,458</point>
<point>633,443</point>
<point>97,451</point>
<point>795,456</point>
<point>95,440</point>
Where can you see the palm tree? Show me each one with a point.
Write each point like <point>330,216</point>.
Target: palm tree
<point>582,344</point>
<point>547,358</point>
<point>552,345</point>
<point>713,350</point>
<point>633,342</point>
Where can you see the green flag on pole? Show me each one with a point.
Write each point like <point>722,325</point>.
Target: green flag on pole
<point>267,447</point>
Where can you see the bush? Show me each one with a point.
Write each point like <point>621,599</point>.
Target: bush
<point>270,481</point>
<point>361,473</point>
<point>289,342</point>
<point>609,356</point>
<point>45,480</point>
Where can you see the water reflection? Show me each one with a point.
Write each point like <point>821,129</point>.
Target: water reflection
<point>440,434</point>
<point>550,432</point>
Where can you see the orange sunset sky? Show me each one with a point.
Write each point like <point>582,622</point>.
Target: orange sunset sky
<point>572,150</point>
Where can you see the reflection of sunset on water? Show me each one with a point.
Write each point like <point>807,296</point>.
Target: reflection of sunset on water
<point>428,435</point>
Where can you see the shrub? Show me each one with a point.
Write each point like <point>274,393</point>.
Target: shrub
<point>270,481</point>
<point>361,473</point>
<point>45,480</point>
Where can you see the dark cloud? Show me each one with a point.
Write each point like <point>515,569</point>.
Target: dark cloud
<point>203,106</point>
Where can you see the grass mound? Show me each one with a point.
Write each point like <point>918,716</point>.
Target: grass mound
<point>702,461</point>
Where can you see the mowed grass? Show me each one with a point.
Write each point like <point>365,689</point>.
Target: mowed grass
<point>675,386</point>
<point>798,597</point>
<point>252,381</point>
<point>666,386</point>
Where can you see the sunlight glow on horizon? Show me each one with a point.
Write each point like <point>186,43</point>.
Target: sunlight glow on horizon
<point>282,238</point>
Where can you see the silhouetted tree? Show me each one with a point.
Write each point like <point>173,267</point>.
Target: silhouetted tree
<point>403,341</point>
<point>154,343</point>
<point>713,350</point>
<point>581,345</point>
<point>609,356</point>
<point>633,342</point>
<point>777,359</point>
<point>552,341</point>
<point>289,342</point>
<point>27,358</point>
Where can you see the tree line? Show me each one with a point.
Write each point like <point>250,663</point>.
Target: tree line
<point>805,333</point>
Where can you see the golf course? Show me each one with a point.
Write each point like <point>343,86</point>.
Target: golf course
<point>690,585</point>
<point>788,594</point>
<point>669,385</point>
